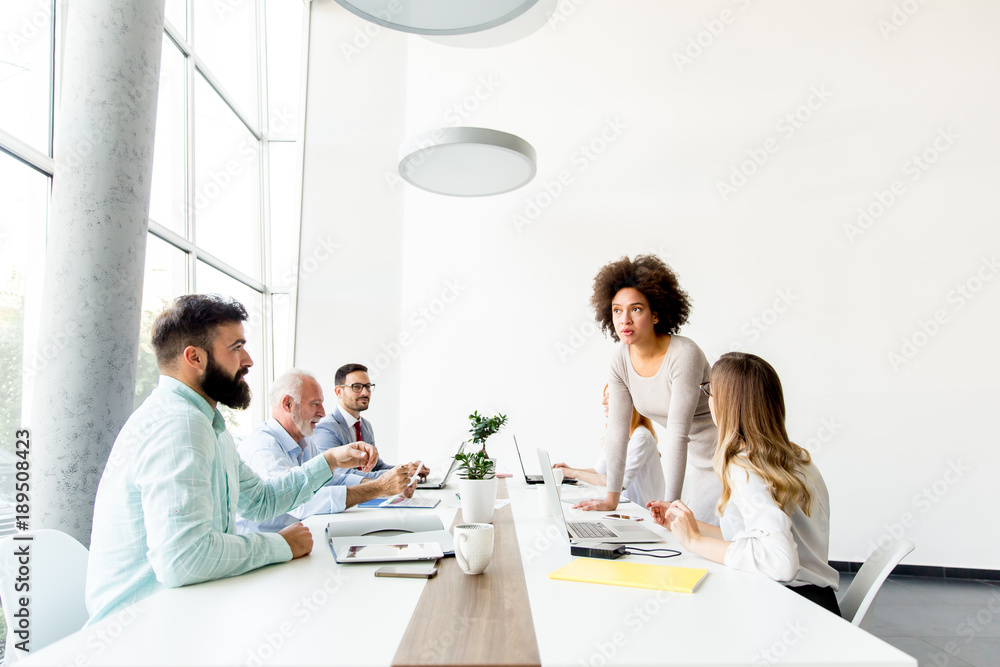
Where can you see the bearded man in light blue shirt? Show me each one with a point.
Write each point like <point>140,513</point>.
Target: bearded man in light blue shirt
<point>282,443</point>
<point>165,513</point>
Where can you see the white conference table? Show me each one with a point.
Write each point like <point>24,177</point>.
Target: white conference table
<point>312,611</point>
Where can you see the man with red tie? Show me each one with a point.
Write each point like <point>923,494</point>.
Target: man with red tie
<point>345,424</point>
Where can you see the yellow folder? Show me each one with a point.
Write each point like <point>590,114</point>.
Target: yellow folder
<point>637,575</point>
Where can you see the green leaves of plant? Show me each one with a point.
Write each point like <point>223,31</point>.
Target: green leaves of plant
<point>483,427</point>
<point>476,465</point>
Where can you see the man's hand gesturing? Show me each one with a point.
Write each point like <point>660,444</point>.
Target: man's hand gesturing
<point>354,455</point>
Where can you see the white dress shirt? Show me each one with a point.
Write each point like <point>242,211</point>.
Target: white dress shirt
<point>356,476</point>
<point>643,479</point>
<point>349,419</point>
<point>271,452</point>
<point>792,550</point>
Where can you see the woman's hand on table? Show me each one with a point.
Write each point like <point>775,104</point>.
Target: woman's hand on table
<point>568,473</point>
<point>678,519</point>
<point>596,505</point>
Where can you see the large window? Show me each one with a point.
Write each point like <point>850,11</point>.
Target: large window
<point>23,201</point>
<point>218,202</point>
<point>166,204</point>
<point>226,178</point>
<point>27,92</point>
<point>224,212</point>
<point>26,64</point>
<point>27,88</point>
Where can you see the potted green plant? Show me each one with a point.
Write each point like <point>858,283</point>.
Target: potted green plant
<point>483,427</point>
<point>475,465</point>
<point>477,482</point>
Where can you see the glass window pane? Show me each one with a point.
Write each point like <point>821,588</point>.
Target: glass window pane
<point>176,13</point>
<point>283,20</point>
<point>165,279</point>
<point>225,35</point>
<point>25,59</point>
<point>166,204</point>
<point>209,280</point>
<point>283,332</point>
<point>227,183</point>
<point>285,165</point>
<point>24,201</point>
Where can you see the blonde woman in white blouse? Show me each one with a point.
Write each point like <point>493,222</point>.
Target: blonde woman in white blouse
<point>643,478</point>
<point>775,507</point>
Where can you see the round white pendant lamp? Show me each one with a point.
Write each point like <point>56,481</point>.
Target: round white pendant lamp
<point>438,17</point>
<point>512,31</point>
<point>467,161</point>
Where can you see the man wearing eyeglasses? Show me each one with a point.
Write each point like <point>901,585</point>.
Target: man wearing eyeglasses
<point>345,424</point>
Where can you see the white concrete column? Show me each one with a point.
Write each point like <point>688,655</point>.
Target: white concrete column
<point>95,253</point>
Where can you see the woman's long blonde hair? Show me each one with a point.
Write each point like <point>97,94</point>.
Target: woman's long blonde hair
<point>750,411</point>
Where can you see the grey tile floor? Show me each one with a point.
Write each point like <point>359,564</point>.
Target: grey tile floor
<point>940,622</point>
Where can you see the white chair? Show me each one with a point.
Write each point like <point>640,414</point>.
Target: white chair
<point>57,577</point>
<point>859,600</point>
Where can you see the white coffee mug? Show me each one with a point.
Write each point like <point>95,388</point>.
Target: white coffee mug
<point>558,475</point>
<point>473,546</point>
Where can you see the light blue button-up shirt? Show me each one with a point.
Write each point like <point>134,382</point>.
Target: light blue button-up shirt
<point>165,513</point>
<point>272,452</point>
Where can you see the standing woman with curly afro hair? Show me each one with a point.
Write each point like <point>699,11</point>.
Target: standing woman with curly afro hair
<point>640,304</point>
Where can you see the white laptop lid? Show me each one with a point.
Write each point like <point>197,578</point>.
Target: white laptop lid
<point>552,489</point>
<point>519,459</point>
<point>454,462</point>
<point>433,484</point>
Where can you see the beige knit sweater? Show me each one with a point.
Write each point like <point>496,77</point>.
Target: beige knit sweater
<point>672,399</point>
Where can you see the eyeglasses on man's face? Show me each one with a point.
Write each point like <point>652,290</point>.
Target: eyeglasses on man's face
<point>706,388</point>
<point>357,386</point>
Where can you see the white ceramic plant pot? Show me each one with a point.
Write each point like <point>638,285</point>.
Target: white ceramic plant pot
<point>478,497</point>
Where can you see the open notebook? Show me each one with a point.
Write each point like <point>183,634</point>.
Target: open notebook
<point>390,528</point>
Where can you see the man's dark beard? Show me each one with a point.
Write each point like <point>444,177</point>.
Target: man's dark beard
<point>229,391</point>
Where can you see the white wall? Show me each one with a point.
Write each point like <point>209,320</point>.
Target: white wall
<point>518,338</point>
<point>351,246</point>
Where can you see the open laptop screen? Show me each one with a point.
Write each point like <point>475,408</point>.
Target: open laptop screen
<point>552,490</point>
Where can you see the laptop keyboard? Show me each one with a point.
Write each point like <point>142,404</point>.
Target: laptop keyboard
<point>588,529</point>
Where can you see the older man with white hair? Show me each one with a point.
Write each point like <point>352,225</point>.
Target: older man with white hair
<point>281,443</point>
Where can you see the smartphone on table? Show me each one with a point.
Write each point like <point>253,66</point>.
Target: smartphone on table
<point>410,572</point>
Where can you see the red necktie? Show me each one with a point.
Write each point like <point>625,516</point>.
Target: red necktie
<point>357,431</point>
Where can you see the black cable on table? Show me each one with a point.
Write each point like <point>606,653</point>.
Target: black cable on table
<point>651,552</point>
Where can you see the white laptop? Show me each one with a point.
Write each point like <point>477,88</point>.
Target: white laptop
<point>610,531</point>
<point>440,482</point>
